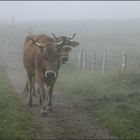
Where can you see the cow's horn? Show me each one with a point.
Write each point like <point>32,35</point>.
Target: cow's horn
<point>53,35</point>
<point>59,43</point>
<point>73,36</point>
<point>38,44</point>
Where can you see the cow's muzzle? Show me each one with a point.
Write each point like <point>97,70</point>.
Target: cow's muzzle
<point>50,74</point>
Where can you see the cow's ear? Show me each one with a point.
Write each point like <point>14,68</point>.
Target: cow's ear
<point>74,44</point>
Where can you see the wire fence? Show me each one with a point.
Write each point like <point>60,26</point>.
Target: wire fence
<point>107,62</point>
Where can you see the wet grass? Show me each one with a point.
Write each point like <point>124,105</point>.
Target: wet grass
<point>15,119</point>
<point>114,98</point>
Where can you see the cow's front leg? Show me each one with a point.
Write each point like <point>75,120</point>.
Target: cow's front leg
<point>43,100</point>
<point>49,103</point>
<point>42,94</point>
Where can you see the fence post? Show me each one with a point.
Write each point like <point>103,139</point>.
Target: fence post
<point>84,60</point>
<point>104,61</point>
<point>80,59</point>
<point>93,61</point>
<point>124,61</point>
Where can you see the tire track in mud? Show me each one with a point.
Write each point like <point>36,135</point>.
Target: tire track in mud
<point>66,121</point>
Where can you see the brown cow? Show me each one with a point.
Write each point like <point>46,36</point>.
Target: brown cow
<point>64,52</point>
<point>42,59</point>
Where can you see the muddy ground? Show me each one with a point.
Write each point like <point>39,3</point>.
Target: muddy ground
<point>66,121</point>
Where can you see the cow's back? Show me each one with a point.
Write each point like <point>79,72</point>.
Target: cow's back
<point>29,52</point>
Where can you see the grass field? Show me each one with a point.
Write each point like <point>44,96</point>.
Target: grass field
<point>15,119</point>
<point>115,99</point>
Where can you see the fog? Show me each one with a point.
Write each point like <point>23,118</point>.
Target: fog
<point>51,10</point>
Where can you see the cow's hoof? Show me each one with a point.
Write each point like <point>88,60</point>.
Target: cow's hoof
<point>44,113</point>
<point>50,109</point>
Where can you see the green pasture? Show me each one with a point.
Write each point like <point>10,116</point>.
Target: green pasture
<point>15,119</point>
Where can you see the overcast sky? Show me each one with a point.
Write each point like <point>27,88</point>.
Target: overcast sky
<point>28,10</point>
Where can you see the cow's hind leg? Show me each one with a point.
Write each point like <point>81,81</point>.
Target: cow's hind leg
<point>40,100</point>
<point>26,89</point>
<point>29,95</point>
<point>34,91</point>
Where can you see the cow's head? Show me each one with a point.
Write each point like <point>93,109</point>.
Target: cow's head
<point>66,47</point>
<point>49,57</point>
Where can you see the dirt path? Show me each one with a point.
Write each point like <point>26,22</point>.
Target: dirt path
<point>66,121</point>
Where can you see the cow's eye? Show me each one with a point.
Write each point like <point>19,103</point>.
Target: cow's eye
<point>67,49</point>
